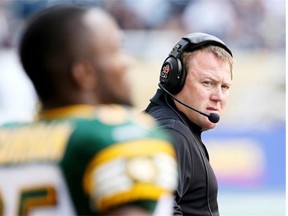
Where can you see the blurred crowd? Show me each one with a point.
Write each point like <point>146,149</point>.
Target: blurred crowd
<point>151,26</point>
<point>249,24</point>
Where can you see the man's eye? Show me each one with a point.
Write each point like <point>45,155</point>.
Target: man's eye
<point>207,83</point>
<point>226,87</point>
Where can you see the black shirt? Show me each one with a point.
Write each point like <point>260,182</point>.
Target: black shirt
<point>197,186</point>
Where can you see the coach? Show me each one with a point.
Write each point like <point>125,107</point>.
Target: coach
<point>194,87</point>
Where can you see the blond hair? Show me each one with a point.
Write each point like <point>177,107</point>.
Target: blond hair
<point>216,50</point>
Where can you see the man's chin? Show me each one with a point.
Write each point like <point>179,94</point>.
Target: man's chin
<point>208,126</point>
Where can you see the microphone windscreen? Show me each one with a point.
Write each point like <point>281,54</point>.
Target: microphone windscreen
<point>213,117</point>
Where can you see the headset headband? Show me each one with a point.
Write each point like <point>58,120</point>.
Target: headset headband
<point>194,41</point>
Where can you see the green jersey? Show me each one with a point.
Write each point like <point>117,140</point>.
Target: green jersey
<point>84,160</point>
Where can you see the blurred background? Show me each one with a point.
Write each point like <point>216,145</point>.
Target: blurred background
<point>247,149</point>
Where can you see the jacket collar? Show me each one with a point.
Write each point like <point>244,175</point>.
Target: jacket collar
<point>163,99</point>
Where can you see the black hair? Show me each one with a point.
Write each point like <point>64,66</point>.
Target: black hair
<point>50,43</point>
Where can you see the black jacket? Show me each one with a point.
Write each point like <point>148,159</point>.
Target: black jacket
<point>197,187</point>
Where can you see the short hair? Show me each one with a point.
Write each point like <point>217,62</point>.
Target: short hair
<point>216,50</point>
<point>50,43</point>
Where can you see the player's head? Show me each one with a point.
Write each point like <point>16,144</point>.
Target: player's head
<point>73,55</point>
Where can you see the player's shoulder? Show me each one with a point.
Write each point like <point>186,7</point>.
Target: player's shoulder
<point>118,116</point>
<point>124,123</point>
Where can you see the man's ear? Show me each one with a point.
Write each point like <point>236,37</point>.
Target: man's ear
<point>83,75</point>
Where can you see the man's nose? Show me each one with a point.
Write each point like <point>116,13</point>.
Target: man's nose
<point>217,94</point>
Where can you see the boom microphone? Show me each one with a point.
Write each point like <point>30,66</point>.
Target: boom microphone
<point>213,117</point>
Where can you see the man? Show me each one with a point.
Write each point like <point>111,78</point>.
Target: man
<point>194,88</point>
<point>80,156</point>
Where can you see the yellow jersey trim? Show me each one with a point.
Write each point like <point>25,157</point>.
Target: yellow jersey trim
<point>80,110</point>
<point>137,193</point>
<point>133,148</point>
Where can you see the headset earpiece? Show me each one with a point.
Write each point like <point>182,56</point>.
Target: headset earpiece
<point>172,76</point>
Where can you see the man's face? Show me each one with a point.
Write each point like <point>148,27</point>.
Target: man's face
<point>111,64</point>
<point>114,85</point>
<point>206,87</point>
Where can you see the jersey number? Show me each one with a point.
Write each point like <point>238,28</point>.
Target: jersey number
<point>35,189</point>
<point>32,198</point>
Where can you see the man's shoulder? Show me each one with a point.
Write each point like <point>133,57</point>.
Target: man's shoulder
<point>167,118</point>
<point>162,112</point>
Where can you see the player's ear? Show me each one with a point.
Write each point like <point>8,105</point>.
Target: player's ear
<point>83,75</point>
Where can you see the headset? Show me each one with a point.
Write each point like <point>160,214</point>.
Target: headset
<point>173,73</point>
